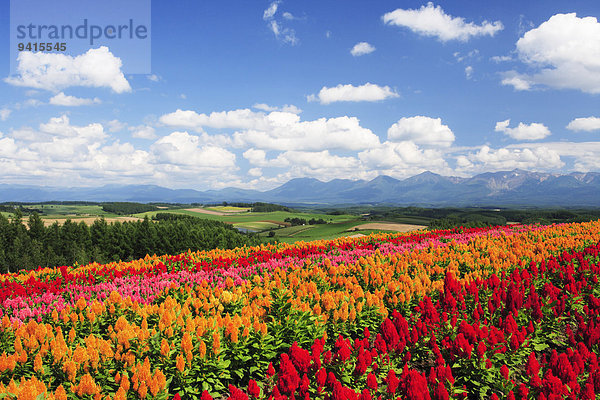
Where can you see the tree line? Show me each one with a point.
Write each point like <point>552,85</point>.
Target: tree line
<point>27,246</point>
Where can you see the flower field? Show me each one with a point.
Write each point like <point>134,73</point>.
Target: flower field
<point>505,312</point>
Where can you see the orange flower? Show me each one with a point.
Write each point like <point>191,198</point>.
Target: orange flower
<point>180,363</point>
<point>164,347</point>
<point>60,393</point>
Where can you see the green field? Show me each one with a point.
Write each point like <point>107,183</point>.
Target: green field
<point>263,223</point>
<point>229,209</point>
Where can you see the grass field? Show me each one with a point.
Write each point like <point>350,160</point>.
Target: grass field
<point>229,209</point>
<point>240,217</point>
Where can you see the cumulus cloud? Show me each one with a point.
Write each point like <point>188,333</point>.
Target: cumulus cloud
<point>487,159</point>
<point>565,53</point>
<point>54,72</point>
<point>362,48</point>
<point>66,154</point>
<point>285,108</point>
<point>278,130</point>
<point>584,154</point>
<point>433,21</point>
<point>62,99</point>
<point>143,132</point>
<point>281,32</point>
<point>4,114</point>
<point>366,92</point>
<point>469,72</point>
<point>426,131</point>
<point>236,119</point>
<point>285,133</point>
<point>181,148</point>
<point>115,125</point>
<point>402,159</point>
<point>584,124</point>
<point>533,131</point>
<point>255,172</point>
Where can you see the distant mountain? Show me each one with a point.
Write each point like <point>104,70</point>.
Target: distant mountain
<point>516,188</point>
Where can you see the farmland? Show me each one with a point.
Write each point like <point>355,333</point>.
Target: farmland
<point>504,312</point>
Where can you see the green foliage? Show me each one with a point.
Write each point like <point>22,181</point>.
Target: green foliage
<point>267,207</point>
<point>70,243</point>
<point>124,208</point>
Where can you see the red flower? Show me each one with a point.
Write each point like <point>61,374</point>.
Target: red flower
<point>321,377</point>
<point>392,382</point>
<point>481,349</point>
<point>253,388</point>
<point>440,392</point>
<point>205,396</point>
<point>365,395</point>
<point>523,391</point>
<point>288,376</point>
<point>390,334</point>
<point>372,381</point>
<point>236,394</point>
<point>270,370</point>
<point>504,371</point>
<point>415,386</point>
<point>177,397</point>
<point>300,357</point>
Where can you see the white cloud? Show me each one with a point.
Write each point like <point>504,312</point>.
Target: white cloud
<point>62,99</point>
<point>366,92</point>
<point>53,72</point>
<point>255,172</point>
<point>433,21</point>
<point>256,157</point>
<point>487,159</point>
<point>584,154</point>
<point>565,52</point>
<point>402,159</point>
<point>4,113</point>
<point>271,10</point>
<point>183,149</point>
<point>285,108</point>
<point>282,33</point>
<point>236,119</point>
<point>278,130</point>
<point>533,131</point>
<point>153,77</point>
<point>426,131</point>
<point>469,72</point>
<point>115,125</point>
<point>61,127</point>
<point>143,132</point>
<point>499,59</point>
<point>584,124</point>
<point>286,133</point>
<point>362,48</point>
<point>519,82</point>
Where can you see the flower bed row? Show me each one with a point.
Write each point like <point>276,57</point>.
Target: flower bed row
<point>199,322</point>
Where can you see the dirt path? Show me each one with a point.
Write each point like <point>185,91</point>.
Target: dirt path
<point>388,227</point>
<point>300,231</point>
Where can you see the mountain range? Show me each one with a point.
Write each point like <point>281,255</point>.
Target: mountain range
<point>505,188</point>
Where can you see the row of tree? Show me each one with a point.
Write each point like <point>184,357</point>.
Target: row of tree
<point>126,208</point>
<point>301,221</point>
<point>27,246</point>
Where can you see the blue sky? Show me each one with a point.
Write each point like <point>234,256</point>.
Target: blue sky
<point>253,93</point>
